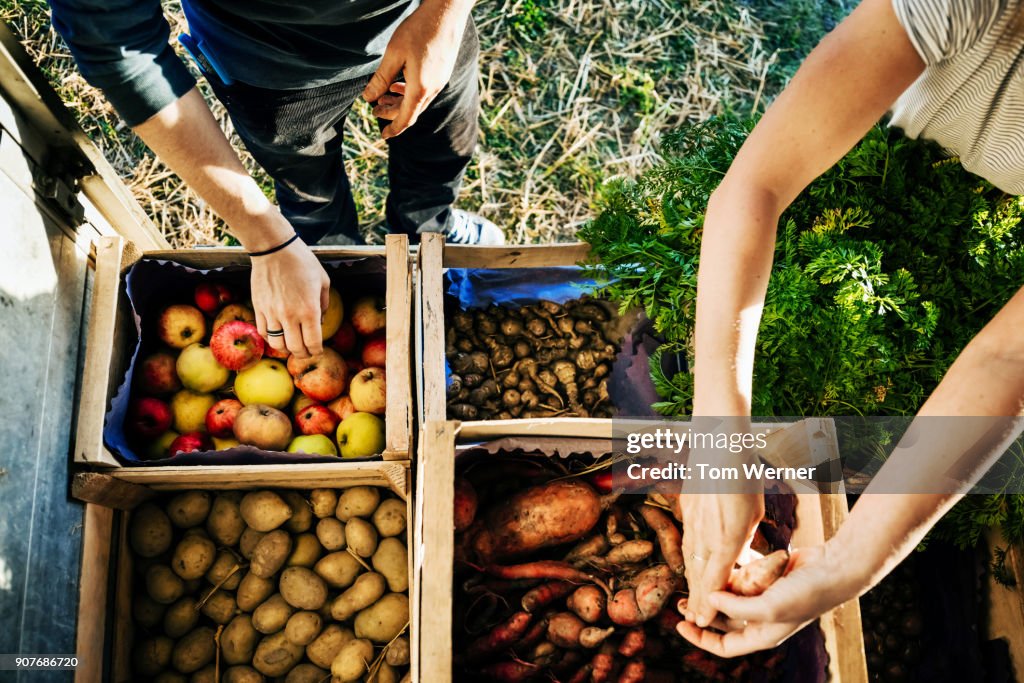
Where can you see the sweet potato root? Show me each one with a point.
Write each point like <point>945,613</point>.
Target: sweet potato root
<point>628,552</point>
<point>633,642</point>
<point>650,590</point>
<point>500,637</point>
<point>511,672</point>
<point>622,608</point>
<point>586,549</point>
<point>564,629</point>
<point>634,672</point>
<point>465,504</point>
<point>670,540</point>
<point>755,578</point>
<point>588,603</point>
<point>601,667</point>
<point>537,517</point>
<point>545,594</point>
<point>592,636</point>
<point>542,569</point>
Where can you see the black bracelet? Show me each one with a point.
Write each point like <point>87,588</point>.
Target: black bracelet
<point>267,252</point>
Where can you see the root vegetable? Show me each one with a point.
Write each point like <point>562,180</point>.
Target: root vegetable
<point>247,543</point>
<point>352,661</point>
<point>366,590</point>
<point>592,636</point>
<point>358,501</point>
<point>303,589</point>
<point>271,616</point>
<point>564,629</point>
<point>502,636</point>
<point>181,617</point>
<point>391,560</point>
<point>623,609</point>
<point>463,411</point>
<point>601,667</point>
<point>361,537</point>
<point>384,619</point>
<point>545,594</point>
<point>629,552</point>
<point>339,569</point>
<point>306,550</point>
<point>303,627</point>
<point>633,642</point>
<point>225,570</point>
<point>270,553</point>
<point>566,376</point>
<point>465,503</point>
<point>635,671</point>
<point>238,640</point>
<point>475,363</point>
<point>150,532</point>
<point>220,607</point>
<point>544,654</point>
<point>542,569</point>
<point>324,502</point>
<point>330,531</point>
<point>163,585</point>
<point>253,590</point>
<point>302,673</point>
<point>189,509</point>
<point>325,647</point>
<point>668,535</point>
<point>151,655</point>
<point>390,517</point>
<point>588,603</point>
<point>755,578</point>
<point>264,510</point>
<point>194,651</point>
<point>398,652</point>
<point>510,672</point>
<point>591,547</point>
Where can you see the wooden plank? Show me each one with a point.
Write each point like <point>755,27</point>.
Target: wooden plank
<point>1006,603</point>
<point>432,327</point>
<point>205,258</point>
<point>105,490</point>
<point>92,613</point>
<point>522,256</point>
<point>398,412</point>
<point>122,631</point>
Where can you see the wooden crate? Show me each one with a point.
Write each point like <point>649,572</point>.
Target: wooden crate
<point>112,335</point>
<point>105,628</point>
<point>818,517</point>
<point>1005,613</point>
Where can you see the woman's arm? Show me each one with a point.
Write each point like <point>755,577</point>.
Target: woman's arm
<point>846,84</point>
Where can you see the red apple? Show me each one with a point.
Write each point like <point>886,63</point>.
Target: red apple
<point>368,391</point>
<point>148,417</point>
<point>317,419</point>
<point>158,374</point>
<point>210,296</point>
<point>181,325</point>
<point>270,352</point>
<point>375,350</point>
<point>237,345</point>
<point>321,377</point>
<point>344,340</point>
<point>368,315</point>
<point>342,407</point>
<point>220,419</point>
<point>187,443</point>
<point>354,364</point>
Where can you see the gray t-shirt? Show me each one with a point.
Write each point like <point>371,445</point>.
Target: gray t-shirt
<point>970,97</point>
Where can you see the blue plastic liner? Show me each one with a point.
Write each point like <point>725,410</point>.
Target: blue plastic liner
<point>153,284</point>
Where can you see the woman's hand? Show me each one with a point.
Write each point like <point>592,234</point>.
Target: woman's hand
<point>817,582</point>
<point>290,293</point>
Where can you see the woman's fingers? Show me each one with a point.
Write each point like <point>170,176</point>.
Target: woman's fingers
<point>715,577</point>
<point>760,608</point>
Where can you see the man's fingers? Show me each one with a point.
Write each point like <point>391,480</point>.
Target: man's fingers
<point>730,644</point>
<point>760,608</point>
<point>714,578</point>
<point>413,103</point>
<point>398,87</point>
<point>261,323</point>
<point>293,339</point>
<point>382,79</point>
<point>387,107</point>
<point>275,341</point>
<point>312,336</point>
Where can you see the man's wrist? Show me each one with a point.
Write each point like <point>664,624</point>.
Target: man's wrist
<point>265,232</point>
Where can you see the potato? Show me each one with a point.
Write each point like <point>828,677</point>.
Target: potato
<point>146,611</point>
<point>361,537</point>
<point>358,501</point>
<point>170,677</point>
<point>303,588</point>
<point>208,674</point>
<point>364,592</point>
<point>398,652</point>
<point>189,508</point>
<point>306,550</point>
<point>303,627</point>
<point>270,553</point>
<point>264,510</point>
<point>242,674</point>
<point>181,617</point>
<point>302,513</point>
<point>330,531</point>
<point>247,543</point>
<point>149,533</point>
<point>220,607</point>
<point>238,640</point>
<point>272,615</point>
<point>407,678</point>
<point>275,656</point>
<point>325,647</point>
<point>353,660</point>
<point>339,570</point>
<point>163,585</point>
<point>152,655</point>
<point>194,651</point>
<point>225,523</point>
<point>324,502</point>
<point>227,569</point>
<point>306,673</point>
<point>392,560</point>
<point>253,590</point>
<point>384,619</point>
<point>193,557</point>
<point>385,674</point>
<point>389,517</point>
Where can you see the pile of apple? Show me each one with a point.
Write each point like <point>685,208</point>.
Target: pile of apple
<point>217,384</point>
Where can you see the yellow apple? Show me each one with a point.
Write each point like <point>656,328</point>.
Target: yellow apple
<point>331,320</point>
<point>199,371</point>
<point>224,444</point>
<point>301,402</point>
<point>312,444</point>
<point>267,382</point>
<point>361,435</point>
<point>234,312</point>
<point>189,409</point>
<point>157,450</point>
<point>368,391</point>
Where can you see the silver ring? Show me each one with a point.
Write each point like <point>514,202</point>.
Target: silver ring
<point>275,333</point>
<point>694,556</point>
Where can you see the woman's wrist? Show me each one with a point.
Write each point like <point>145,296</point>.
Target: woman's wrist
<point>853,570</point>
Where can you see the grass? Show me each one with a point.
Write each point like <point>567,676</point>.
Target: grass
<point>574,93</point>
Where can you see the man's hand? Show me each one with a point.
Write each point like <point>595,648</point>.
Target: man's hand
<point>423,49</point>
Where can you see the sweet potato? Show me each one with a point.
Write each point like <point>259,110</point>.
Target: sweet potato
<point>628,552</point>
<point>755,578</point>
<point>500,637</point>
<point>542,569</point>
<point>670,540</point>
<point>635,671</point>
<point>586,549</point>
<point>564,629</point>
<point>592,636</point>
<point>545,594</point>
<point>623,609</point>
<point>633,642</point>
<point>601,667</point>
<point>653,587</point>
<point>537,517</point>
<point>588,603</point>
<point>465,504</point>
<point>511,672</point>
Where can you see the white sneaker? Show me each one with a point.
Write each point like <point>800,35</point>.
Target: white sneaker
<point>469,228</point>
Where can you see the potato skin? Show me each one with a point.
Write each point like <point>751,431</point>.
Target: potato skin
<point>361,537</point>
<point>383,620</point>
<point>146,611</point>
<point>242,674</point>
<point>390,517</point>
<point>306,673</point>
<point>220,607</point>
<point>392,561</point>
<point>306,550</point>
<point>325,647</point>
<point>248,542</point>
<point>224,523</point>
<point>189,508</point>
<point>238,640</point>
<point>170,677</point>
<point>303,627</point>
<point>324,502</point>
<point>253,590</point>
<point>181,617</point>
<point>275,656</point>
<point>271,616</point>
<point>330,531</point>
<point>353,660</point>
<point>398,653</point>
<point>194,651</point>
<point>223,569</point>
<point>339,569</point>
<point>366,590</point>
<point>163,585</point>
<point>150,656</point>
<point>385,674</point>
<point>302,513</point>
<point>303,588</point>
<point>208,674</point>
<point>358,501</point>
<point>270,553</point>
<point>150,532</point>
<point>193,557</point>
<point>264,510</point>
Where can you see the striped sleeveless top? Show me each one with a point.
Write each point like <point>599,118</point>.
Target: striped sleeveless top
<point>970,97</point>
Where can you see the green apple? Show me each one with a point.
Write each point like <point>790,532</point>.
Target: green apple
<point>312,444</point>
<point>267,383</point>
<point>189,409</point>
<point>199,371</point>
<point>361,435</point>
<point>157,450</point>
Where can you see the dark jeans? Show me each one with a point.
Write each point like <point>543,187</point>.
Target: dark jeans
<point>296,136</point>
